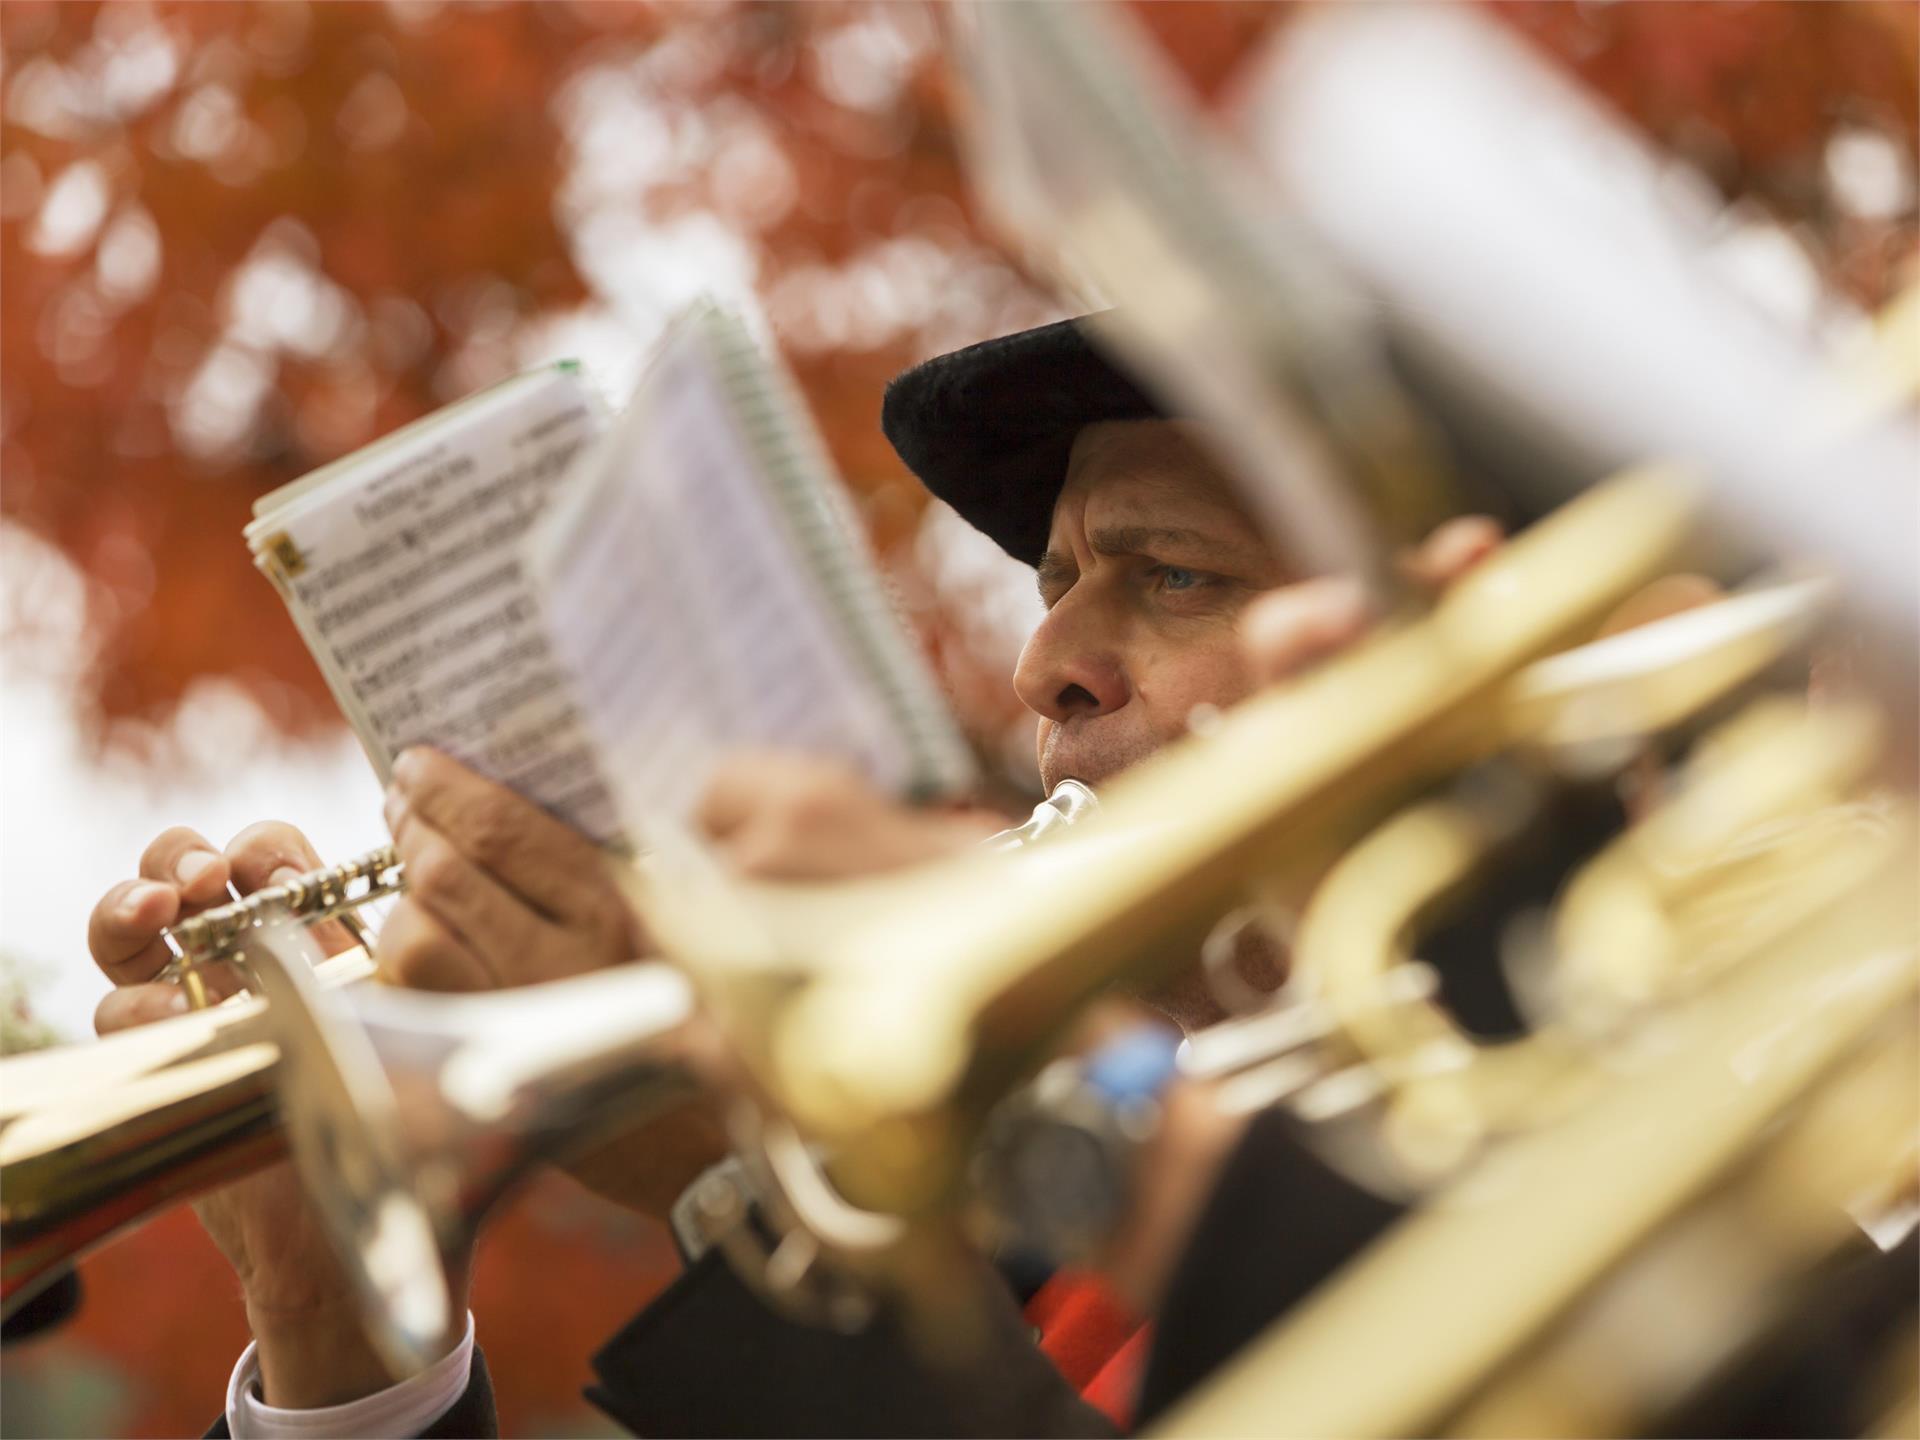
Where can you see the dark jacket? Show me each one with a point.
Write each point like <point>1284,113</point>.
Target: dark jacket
<point>708,1358</point>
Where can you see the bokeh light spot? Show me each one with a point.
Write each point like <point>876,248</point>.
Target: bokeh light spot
<point>70,215</point>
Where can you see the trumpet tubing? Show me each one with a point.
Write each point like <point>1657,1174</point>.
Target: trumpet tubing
<point>96,1138</point>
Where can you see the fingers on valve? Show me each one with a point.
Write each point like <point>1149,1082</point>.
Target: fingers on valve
<point>188,861</point>
<point>123,932</point>
<point>271,852</point>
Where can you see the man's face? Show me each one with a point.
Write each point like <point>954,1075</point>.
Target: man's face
<point>1148,564</point>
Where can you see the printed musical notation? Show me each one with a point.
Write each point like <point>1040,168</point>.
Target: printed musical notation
<point>415,595</point>
<point>679,519</point>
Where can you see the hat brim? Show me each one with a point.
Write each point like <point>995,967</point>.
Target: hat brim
<point>988,429</point>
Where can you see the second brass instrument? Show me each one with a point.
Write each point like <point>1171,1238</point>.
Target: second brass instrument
<point>484,1086</point>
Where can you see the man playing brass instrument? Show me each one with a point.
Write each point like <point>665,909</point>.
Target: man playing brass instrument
<point>1161,597</point>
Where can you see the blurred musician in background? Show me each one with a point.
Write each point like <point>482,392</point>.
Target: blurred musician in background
<point>1163,600</point>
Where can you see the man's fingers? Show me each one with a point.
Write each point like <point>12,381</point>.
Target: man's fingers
<point>784,816</point>
<point>126,1006</point>
<point>1284,631</point>
<point>189,861</point>
<point>123,932</point>
<point>418,951</point>
<point>543,860</point>
<point>731,798</point>
<point>259,852</point>
<point>275,853</point>
<point>1287,630</point>
<point>181,874</point>
<point>500,892</point>
<point>1451,551</point>
<point>747,784</point>
<point>761,799</point>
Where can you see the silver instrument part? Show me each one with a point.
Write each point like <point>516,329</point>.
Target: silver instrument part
<point>1071,802</point>
<point>333,892</point>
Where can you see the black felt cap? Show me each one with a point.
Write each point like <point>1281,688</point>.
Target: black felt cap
<point>988,429</point>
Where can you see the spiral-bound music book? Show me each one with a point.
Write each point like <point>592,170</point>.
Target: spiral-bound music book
<point>708,586</point>
<point>595,612</point>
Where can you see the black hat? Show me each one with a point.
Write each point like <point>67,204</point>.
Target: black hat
<point>988,429</point>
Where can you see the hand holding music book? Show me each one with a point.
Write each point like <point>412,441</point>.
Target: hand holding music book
<point>592,612</point>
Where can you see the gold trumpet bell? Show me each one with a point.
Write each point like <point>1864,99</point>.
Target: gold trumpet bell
<point>94,1138</point>
<point>408,1115</point>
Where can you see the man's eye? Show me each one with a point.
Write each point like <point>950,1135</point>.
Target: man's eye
<point>1176,578</point>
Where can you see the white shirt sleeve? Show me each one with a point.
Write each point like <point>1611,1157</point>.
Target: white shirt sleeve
<point>394,1413</point>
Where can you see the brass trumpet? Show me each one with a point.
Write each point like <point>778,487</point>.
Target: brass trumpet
<point>410,1114</point>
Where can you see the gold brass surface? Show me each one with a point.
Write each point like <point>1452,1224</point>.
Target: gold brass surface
<point>97,1137</point>
<point>1457,1289</point>
<point>1743,941</point>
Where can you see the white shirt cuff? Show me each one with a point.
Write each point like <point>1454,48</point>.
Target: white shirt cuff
<point>395,1413</point>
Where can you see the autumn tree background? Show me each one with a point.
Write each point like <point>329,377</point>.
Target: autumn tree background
<point>240,240</point>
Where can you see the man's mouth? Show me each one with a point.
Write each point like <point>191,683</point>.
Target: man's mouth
<point>1071,756</point>
<point>1060,763</point>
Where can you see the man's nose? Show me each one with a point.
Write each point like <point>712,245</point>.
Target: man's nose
<point>1071,667</point>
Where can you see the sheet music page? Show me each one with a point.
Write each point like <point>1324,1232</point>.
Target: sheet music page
<point>408,580</point>
<point>680,601</point>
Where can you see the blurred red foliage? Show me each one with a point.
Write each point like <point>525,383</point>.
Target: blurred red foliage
<point>416,166</point>
<point>92,458</point>
<point>1752,93</point>
<point>411,158</point>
